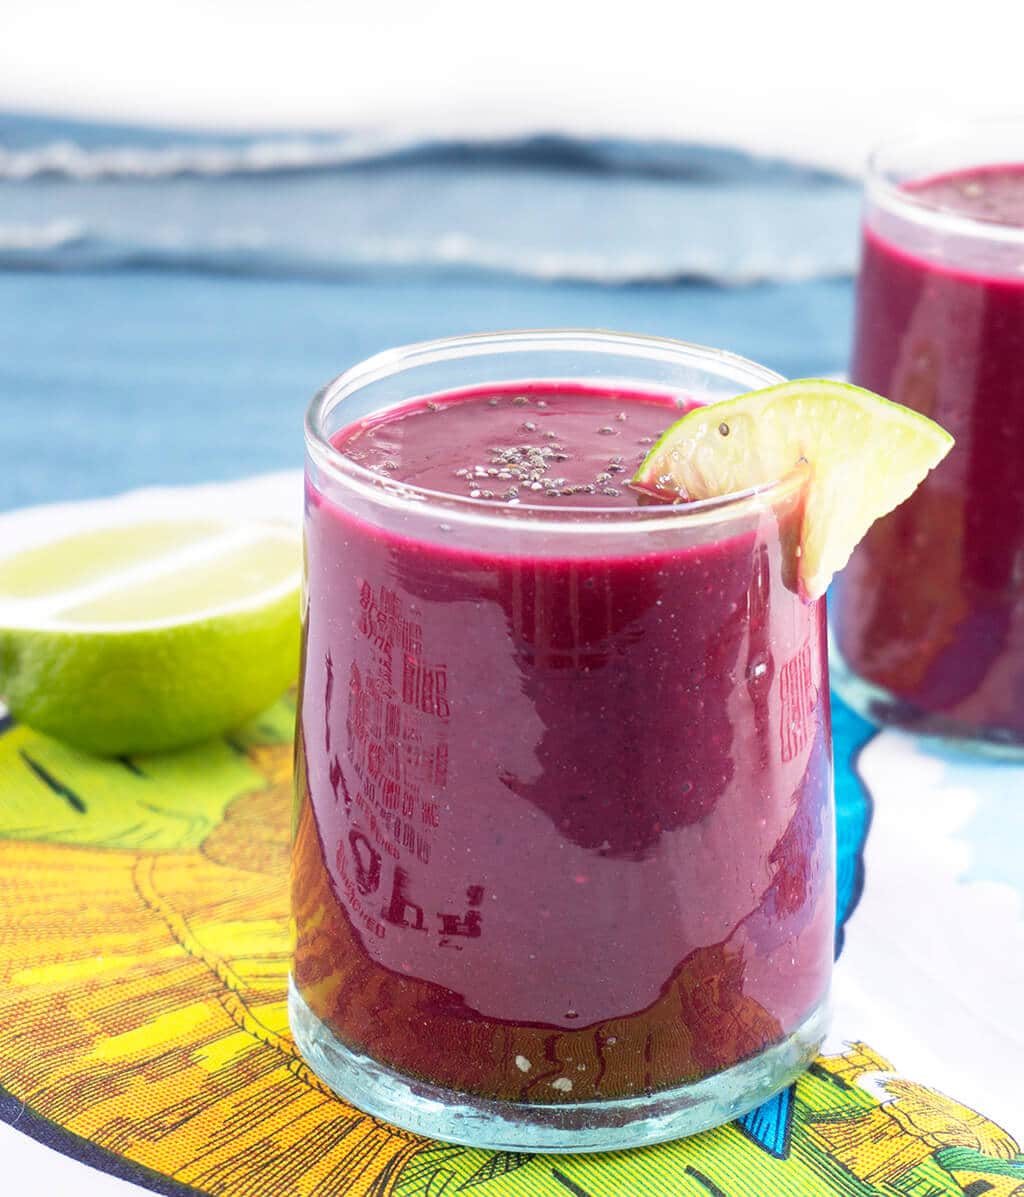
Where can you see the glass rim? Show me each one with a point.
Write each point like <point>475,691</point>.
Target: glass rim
<point>882,188</point>
<point>388,492</point>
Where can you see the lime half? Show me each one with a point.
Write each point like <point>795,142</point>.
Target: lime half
<point>864,455</point>
<point>141,637</point>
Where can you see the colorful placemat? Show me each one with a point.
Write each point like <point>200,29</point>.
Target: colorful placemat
<point>144,949</point>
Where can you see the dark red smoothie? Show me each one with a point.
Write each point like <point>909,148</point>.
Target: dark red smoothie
<point>563,829</point>
<point>931,607</point>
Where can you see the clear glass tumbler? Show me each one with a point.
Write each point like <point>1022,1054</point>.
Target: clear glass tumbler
<point>928,617</point>
<point>563,863</point>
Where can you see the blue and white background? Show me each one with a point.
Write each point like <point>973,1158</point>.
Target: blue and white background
<point>170,301</point>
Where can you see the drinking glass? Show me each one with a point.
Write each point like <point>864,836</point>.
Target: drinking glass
<point>928,617</point>
<point>563,861</point>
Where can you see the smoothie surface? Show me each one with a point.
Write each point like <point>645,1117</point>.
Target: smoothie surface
<point>990,193</point>
<point>536,444</point>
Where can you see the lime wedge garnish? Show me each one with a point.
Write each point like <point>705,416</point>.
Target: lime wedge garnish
<point>143,637</point>
<point>863,454</point>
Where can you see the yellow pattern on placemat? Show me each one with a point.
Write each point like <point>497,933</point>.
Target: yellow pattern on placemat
<point>143,964</point>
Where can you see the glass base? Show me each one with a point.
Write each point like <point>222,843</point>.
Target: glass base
<point>438,1113</point>
<point>885,709</point>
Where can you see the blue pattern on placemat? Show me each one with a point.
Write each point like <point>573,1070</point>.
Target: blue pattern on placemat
<point>853,810</point>
<point>770,1124</point>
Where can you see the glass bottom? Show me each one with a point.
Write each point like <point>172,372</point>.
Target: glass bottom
<point>885,709</point>
<point>463,1118</point>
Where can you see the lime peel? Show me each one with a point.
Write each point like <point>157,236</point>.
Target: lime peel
<point>151,636</point>
<point>864,456</point>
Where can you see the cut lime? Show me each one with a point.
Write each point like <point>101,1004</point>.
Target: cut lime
<point>142,637</point>
<point>864,456</point>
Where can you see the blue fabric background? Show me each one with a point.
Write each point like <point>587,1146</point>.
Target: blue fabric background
<point>170,302</point>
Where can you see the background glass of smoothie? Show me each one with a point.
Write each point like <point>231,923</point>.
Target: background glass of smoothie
<point>563,869</point>
<point>928,617</point>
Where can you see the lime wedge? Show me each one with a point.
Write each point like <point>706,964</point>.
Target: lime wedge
<point>142,637</point>
<point>864,455</point>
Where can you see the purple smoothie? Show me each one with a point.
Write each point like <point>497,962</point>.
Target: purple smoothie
<point>564,826</point>
<point>931,607</point>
